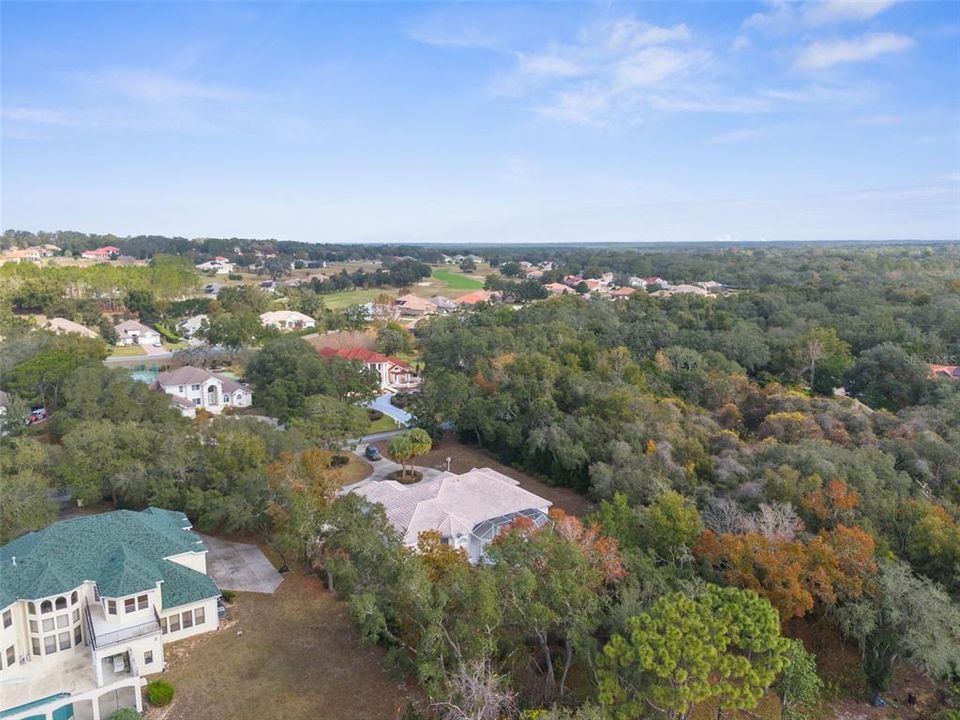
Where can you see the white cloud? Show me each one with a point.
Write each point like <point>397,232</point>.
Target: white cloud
<point>826,53</point>
<point>39,116</point>
<point>736,136</point>
<point>786,15</point>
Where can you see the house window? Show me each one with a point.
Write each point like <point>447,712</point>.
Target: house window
<point>31,608</point>
<point>188,619</point>
<point>129,605</point>
<point>46,606</point>
<point>61,603</point>
<point>7,619</point>
<point>111,607</point>
<point>33,627</point>
<point>73,597</point>
<point>48,625</point>
<point>226,399</point>
<point>35,645</point>
<point>76,616</point>
<point>11,655</point>
<point>64,640</point>
<point>63,621</point>
<point>174,623</point>
<point>96,593</point>
<point>163,626</point>
<point>196,401</point>
<point>195,387</point>
<point>199,616</point>
<point>49,644</point>
<point>77,635</point>
<point>141,602</point>
<point>148,657</point>
<point>180,389</point>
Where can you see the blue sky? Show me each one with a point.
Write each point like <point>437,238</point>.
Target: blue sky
<point>489,122</point>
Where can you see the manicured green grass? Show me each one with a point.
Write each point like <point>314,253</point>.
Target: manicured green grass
<point>384,424</point>
<point>456,280</point>
<point>336,301</point>
<point>128,351</point>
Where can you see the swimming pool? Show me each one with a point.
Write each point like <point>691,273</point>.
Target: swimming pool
<point>145,376</point>
<point>64,713</point>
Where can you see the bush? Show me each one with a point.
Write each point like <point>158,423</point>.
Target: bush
<point>124,714</point>
<point>402,399</point>
<point>160,693</point>
<point>374,415</point>
<point>234,276</point>
<point>228,595</point>
<point>339,461</point>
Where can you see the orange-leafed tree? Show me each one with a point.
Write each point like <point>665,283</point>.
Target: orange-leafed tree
<point>832,503</point>
<point>439,557</point>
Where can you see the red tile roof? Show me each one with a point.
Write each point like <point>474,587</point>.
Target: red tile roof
<point>474,297</point>
<point>360,354</point>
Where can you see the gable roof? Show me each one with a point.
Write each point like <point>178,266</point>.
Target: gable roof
<point>414,302</point>
<point>133,326</point>
<point>189,375</point>
<point>124,552</point>
<point>452,504</point>
<point>62,325</point>
<point>361,355</point>
<point>477,296</point>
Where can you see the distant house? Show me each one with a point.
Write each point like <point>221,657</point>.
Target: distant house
<point>62,326</point>
<point>557,289</point>
<point>104,253</point>
<point>287,320</point>
<point>477,296</point>
<point>443,304</point>
<point>394,374</point>
<point>219,265</point>
<point>131,332</point>
<point>533,274</point>
<point>19,255</point>
<point>656,280</point>
<point>636,282</point>
<point>193,388</point>
<point>189,327</point>
<point>4,401</point>
<point>710,286</point>
<point>469,510</point>
<point>945,371</point>
<point>623,292</point>
<point>89,607</point>
<point>212,288</point>
<point>413,306</point>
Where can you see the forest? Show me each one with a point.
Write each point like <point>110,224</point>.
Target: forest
<point>765,461</point>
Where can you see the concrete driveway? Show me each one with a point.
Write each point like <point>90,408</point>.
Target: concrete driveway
<point>383,467</point>
<point>239,566</point>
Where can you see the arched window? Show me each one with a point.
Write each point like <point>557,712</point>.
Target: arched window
<point>61,603</point>
<point>73,598</point>
<point>31,608</point>
<point>46,606</point>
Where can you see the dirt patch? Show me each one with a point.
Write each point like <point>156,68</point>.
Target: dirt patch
<point>354,471</point>
<point>299,657</point>
<point>465,457</point>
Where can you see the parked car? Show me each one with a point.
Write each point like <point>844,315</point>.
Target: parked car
<point>37,414</point>
<point>372,453</point>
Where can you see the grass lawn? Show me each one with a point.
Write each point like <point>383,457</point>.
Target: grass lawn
<point>336,301</point>
<point>128,351</point>
<point>299,657</point>
<point>354,471</point>
<point>456,280</point>
<point>384,424</point>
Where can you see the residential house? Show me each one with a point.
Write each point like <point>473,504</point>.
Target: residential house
<point>477,296</point>
<point>62,326</point>
<point>131,332</point>
<point>193,387</point>
<point>443,304</point>
<point>656,280</point>
<point>104,253</point>
<point>533,274</point>
<point>468,510</point>
<point>219,265</point>
<point>623,292</point>
<point>557,289</point>
<point>287,320</point>
<point>413,306</point>
<point>394,374</point>
<point>190,326</point>
<point>19,255</point>
<point>711,286</point>
<point>636,282</point>
<point>89,606</point>
<point>945,371</point>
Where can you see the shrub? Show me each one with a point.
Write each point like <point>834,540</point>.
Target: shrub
<point>339,461</point>
<point>374,415</point>
<point>160,693</point>
<point>228,595</point>
<point>124,714</point>
<point>234,276</point>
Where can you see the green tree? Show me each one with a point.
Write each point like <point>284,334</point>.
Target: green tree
<point>798,686</point>
<point>25,487</point>
<point>393,338</point>
<point>723,644</point>
<point>330,423</point>
<point>827,358</point>
<point>887,376</point>
<point>407,447</point>
<point>671,525</point>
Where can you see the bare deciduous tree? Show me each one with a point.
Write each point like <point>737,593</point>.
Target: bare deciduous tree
<point>477,692</point>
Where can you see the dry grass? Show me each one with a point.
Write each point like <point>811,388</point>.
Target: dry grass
<point>355,470</point>
<point>299,657</point>
<point>464,457</point>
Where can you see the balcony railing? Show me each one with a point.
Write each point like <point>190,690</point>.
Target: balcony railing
<point>123,634</point>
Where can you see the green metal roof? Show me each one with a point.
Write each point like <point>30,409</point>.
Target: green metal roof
<point>123,552</point>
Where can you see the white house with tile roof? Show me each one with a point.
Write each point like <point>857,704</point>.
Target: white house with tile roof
<point>87,606</point>
<point>468,510</point>
<point>193,387</point>
<point>131,332</point>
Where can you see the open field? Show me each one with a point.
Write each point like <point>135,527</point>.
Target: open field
<point>456,280</point>
<point>299,657</point>
<point>336,301</point>
<point>128,351</point>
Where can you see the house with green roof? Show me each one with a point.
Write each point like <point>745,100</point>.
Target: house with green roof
<point>87,606</point>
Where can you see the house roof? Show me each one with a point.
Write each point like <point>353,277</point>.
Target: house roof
<point>62,325</point>
<point>414,302</point>
<point>124,552</point>
<point>443,302</point>
<point>189,375</point>
<point>477,296</point>
<point>452,504</point>
<point>623,292</point>
<point>275,316</point>
<point>361,354</point>
<point>557,288</point>
<point>950,371</point>
<point>133,326</point>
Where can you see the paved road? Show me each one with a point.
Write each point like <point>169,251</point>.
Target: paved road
<point>384,405</point>
<point>239,566</point>
<point>384,467</point>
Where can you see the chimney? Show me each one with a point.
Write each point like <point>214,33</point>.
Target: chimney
<point>14,560</point>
